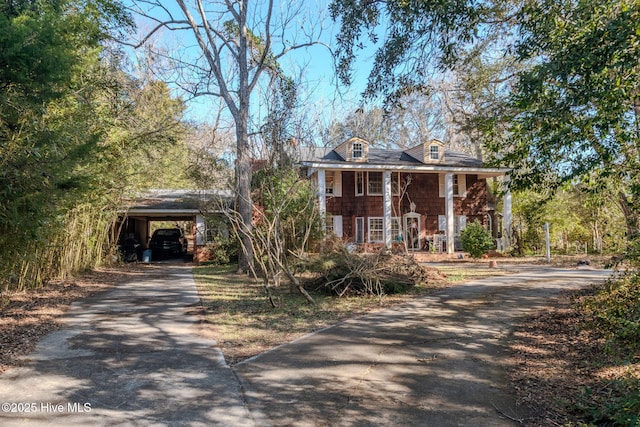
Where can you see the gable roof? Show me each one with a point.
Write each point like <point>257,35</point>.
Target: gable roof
<point>391,157</point>
<point>379,158</point>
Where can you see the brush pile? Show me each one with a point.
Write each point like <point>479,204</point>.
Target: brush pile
<point>344,273</point>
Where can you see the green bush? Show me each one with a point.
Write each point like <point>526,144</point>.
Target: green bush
<point>615,312</point>
<point>476,239</point>
<point>222,251</point>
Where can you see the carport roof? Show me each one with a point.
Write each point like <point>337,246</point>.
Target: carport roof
<point>174,202</point>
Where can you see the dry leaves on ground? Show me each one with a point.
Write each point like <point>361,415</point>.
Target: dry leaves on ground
<point>559,367</point>
<point>26,317</point>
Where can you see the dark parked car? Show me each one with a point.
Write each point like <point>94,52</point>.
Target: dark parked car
<point>166,242</point>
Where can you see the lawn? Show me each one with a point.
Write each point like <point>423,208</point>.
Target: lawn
<point>459,273</point>
<point>245,324</point>
<point>558,367</point>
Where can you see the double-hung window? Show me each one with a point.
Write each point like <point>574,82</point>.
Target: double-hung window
<point>357,150</point>
<point>329,182</point>
<point>359,183</point>
<point>396,229</point>
<point>376,230</point>
<point>375,184</point>
<point>360,229</point>
<point>434,152</point>
<point>333,183</point>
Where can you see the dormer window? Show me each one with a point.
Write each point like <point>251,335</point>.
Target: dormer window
<point>357,150</point>
<point>434,152</point>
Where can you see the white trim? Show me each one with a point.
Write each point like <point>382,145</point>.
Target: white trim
<point>486,172</point>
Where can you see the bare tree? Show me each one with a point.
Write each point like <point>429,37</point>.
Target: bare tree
<point>415,119</point>
<point>236,45</point>
<point>283,228</point>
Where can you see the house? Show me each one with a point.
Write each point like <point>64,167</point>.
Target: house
<point>420,196</point>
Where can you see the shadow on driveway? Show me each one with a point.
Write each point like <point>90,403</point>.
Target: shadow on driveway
<point>131,356</point>
<point>436,361</point>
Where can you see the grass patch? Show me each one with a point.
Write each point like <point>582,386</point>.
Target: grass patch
<point>244,324</point>
<point>458,273</point>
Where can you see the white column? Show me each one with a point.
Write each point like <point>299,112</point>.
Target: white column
<point>200,230</point>
<point>448,210</point>
<point>322,197</point>
<point>507,215</point>
<point>387,208</point>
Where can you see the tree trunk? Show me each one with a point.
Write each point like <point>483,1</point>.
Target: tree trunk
<point>243,166</point>
<point>631,217</point>
<point>631,212</point>
<point>244,205</point>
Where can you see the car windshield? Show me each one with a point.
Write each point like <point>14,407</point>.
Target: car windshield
<point>167,233</point>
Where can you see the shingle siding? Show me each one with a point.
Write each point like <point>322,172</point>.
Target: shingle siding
<point>423,191</point>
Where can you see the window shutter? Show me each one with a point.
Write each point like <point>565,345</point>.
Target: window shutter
<point>462,223</point>
<point>462,186</point>
<point>442,223</point>
<point>337,184</point>
<point>337,225</point>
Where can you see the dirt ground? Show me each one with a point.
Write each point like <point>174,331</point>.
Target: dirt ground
<point>550,353</point>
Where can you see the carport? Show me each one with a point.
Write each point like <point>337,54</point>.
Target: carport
<point>179,206</point>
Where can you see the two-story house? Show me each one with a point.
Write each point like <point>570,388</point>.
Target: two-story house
<point>421,196</point>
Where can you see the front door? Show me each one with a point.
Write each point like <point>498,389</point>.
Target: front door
<point>412,232</point>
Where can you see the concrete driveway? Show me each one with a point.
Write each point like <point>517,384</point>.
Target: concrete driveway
<point>130,357</point>
<point>436,361</point>
<point>133,357</point>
